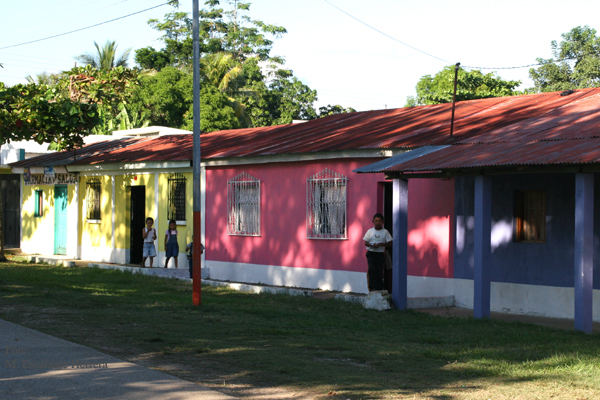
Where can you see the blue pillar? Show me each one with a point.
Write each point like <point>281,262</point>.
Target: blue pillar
<point>482,245</point>
<point>399,246</point>
<point>584,250</point>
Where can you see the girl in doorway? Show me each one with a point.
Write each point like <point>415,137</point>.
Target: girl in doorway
<point>171,245</point>
<point>149,235</point>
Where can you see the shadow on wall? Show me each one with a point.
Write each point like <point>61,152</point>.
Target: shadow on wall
<point>429,248</point>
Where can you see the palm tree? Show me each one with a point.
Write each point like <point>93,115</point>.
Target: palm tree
<point>224,72</point>
<point>43,78</point>
<point>105,57</point>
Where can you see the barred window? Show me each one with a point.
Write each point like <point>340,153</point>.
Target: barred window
<point>326,205</point>
<point>530,216</point>
<point>243,205</point>
<point>176,197</point>
<point>39,203</point>
<point>92,198</point>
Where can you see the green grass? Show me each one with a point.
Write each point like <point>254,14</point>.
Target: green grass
<point>331,349</point>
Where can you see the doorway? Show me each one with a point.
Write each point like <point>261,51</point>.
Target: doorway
<point>11,206</point>
<point>137,222</point>
<point>60,220</point>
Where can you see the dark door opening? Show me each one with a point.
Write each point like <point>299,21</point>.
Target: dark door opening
<point>137,221</point>
<point>11,205</point>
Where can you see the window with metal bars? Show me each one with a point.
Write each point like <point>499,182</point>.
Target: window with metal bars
<point>530,221</point>
<point>326,205</point>
<point>92,198</point>
<point>243,205</point>
<point>176,197</point>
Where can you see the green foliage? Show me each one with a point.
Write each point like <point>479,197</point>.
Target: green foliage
<point>336,109</point>
<point>44,78</point>
<point>230,31</point>
<point>105,57</point>
<point>236,61</point>
<point>216,112</point>
<point>112,90</point>
<point>164,97</point>
<point>45,115</point>
<point>80,102</point>
<point>575,63</point>
<point>470,85</point>
<point>288,99</point>
<point>149,58</point>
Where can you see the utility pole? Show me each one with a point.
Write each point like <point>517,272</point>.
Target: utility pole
<point>197,227</point>
<point>454,98</point>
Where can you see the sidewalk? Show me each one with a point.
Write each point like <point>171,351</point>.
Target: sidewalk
<point>38,366</point>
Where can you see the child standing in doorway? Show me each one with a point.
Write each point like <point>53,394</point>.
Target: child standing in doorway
<point>376,240</point>
<point>171,244</point>
<point>149,234</point>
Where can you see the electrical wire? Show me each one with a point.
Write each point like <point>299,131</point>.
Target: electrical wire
<point>385,34</point>
<point>438,58</point>
<point>87,27</point>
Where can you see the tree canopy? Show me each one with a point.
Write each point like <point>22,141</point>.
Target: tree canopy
<point>238,72</point>
<point>575,63</point>
<point>470,85</point>
<point>45,115</point>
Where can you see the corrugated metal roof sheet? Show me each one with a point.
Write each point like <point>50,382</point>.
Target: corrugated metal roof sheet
<point>528,118</point>
<point>488,155</point>
<point>82,154</point>
<point>386,164</point>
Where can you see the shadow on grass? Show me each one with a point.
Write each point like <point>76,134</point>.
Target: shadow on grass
<point>326,348</point>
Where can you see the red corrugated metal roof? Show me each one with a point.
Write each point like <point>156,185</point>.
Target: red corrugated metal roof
<point>86,152</point>
<point>529,118</point>
<point>487,155</point>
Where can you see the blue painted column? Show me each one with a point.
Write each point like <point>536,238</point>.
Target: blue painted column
<point>584,251</point>
<point>399,245</point>
<point>482,245</point>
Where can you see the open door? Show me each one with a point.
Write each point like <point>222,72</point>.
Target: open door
<point>60,220</point>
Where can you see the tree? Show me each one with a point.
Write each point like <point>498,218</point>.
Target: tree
<point>575,63</point>
<point>44,78</point>
<point>112,90</point>
<point>236,61</point>
<point>105,57</point>
<point>41,113</point>
<point>336,109</point>
<point>230,31</point>
<point>470,85</point>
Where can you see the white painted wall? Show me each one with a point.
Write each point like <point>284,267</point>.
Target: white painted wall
<point>309,278</point>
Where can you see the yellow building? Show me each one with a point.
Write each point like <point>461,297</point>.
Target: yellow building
<point>98,212</point>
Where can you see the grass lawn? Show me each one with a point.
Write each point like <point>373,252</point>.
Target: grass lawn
<point>277,346</point>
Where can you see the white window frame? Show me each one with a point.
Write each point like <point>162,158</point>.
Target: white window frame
<point>243,205</point>
<point>326,205</point>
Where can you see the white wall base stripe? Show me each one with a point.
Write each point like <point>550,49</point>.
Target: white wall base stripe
<point>546,301</point>
<point>340,281</point>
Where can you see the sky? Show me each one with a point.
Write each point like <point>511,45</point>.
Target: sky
<point>362,54</point>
